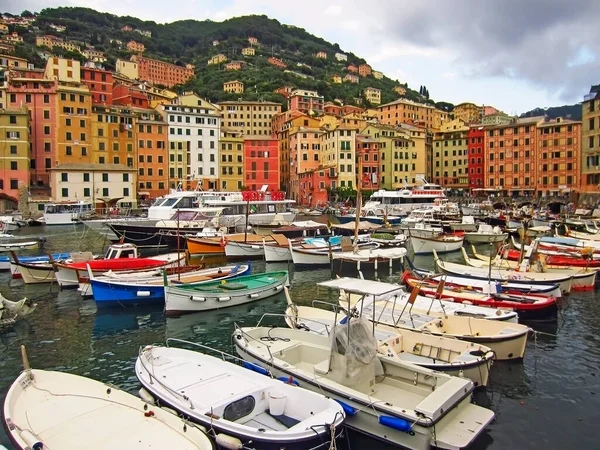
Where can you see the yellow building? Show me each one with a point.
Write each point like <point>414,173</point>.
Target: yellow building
<point>407,111</point>
<point>249,51</point>
<point>417,163</point>
<point>14,156</point>
<point>321,55</point>
<point>336,79</point>
<point>250,118</point>
<point>63,70</point>
<point>74,142</point>
<point>231,157</point>
<point>45,41</point>
<point>235,87</point>
<point>373,95</point>
<point>338,151</point>
<point>217,59</point>
<point>114,136</point>
<point>130,69</point>
<point>136,47</point>
<point>393,145</point>
<point>329,122</point>
<point>400,90</point>
<point>467,112</point>
<point>450,155</point>
<point>377,74</point>
<point>590,142</point>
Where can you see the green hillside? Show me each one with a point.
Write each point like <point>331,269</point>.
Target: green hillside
<point>573,112</point>
<point>191,41</point>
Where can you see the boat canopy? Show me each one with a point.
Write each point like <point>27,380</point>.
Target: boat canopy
<point>364,287</point>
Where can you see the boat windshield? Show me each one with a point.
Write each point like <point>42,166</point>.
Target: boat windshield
<point>68,208</point>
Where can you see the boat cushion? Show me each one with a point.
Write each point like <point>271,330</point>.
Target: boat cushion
<point>286,421</point>
<point>233,286</point>
<point>322,367</point>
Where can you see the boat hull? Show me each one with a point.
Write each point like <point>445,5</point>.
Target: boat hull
<point>423,246</point>
<point>477,238</point>
<point>199,246</point>
<point>277,253</point>
<point>34,275</point>
<point>244,250</point>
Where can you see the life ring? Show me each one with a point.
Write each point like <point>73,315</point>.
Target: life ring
<point>254,196</point>
<point>223,241</point>
<point>246,195</point>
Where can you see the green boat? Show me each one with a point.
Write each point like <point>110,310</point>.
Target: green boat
<point>180,299</point>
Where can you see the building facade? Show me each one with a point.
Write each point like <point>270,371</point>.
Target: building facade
<point>14,157</point>
<point>450,155</point>
<point>250,118</point>
<point>305,156</point>
<point>261,162</point>
<point>308,102</point>
<point>233,87</point>
<point>161,72</point>
<point>231,157</point>
<point>152,154</point>
<point>372,95</point>
<point>73,124</point>
<point>407,111</point>
<point>469,113</point>
<point>590,141</point>
<point>99,83</point>
<point>477,161</point>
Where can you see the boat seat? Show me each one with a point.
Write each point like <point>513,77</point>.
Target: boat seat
<point>416,359</point>
<point>286,421</point>
<point>233,286</point>
<point>280,239</point>
<point>192,279</point>
<point>322,368</point>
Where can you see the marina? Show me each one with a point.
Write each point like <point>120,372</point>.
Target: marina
<point>69,333</point>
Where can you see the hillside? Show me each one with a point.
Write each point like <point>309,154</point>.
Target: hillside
<point>191,41</point>
<point>569,111</point>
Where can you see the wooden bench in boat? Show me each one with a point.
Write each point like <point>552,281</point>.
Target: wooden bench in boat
<point>280,239</point>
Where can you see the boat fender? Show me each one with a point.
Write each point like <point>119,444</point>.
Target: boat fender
<point>348,409</point>
<point>289,380</point>
<point>344,320</point>
<point>143,293</point>
<point>197,299</point>
<point>397,424</point>
<point>146,396</point>
<point>31,440</point>
<point>255,368</point>
<point>228,442</point>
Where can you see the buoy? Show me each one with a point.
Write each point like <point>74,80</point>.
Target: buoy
<point>395,422</point>
<point>348,409</point>
<point>146,396</point>
<point>31,440</point>
<point>255,368</point>
<point>229,442</point>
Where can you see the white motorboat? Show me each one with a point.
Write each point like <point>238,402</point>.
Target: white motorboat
<point>395,401</point>
<point>23,245</point>
<point>309,255</point>
<point>467,223</point>
<point>34,272</point>
<point>451,356</point>
<point>240,402</point>
<point>441,244</point>
<point>66,213</point>
<point>277,250</point>
<point>56,410</point>
<point>390,305</point>
<point>565,281</point>
<point>485,234</point>
<point>237,249</point>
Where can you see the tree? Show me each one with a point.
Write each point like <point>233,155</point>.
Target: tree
<point>27,13</point>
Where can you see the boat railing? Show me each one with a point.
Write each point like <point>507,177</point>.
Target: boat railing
<point>224,355</point>
<point>247,336</point>
<point>295,318</point>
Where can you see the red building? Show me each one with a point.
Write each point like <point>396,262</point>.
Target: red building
<point>368,148</point>
<point>99,82</point>
<point>160,72</point>
<point>130,96</point>
<point>332,109</point>
<point>261,161</point>
<point>314,183</point>
<point>476,160</point>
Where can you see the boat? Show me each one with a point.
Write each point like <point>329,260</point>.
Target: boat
<point>388,399</point>
<point>372,256</point>
<point>8,224</point>
<point>389,304</point>
<point>466,224</point>
<point>251,408</point>
<point>37,272</point>
<point>6,260</point>
<point>118,258</point>
<point>451,356</point>
<point>530,307</point>
<point>549,259</point>
<point>583,279</point>
<point>66,213</point>
<point>277,248</point>
<point>137,289</point>
<point>23,245</point>
<point>389,240</point>
<point>16,309</point>
<point>187,298</point>
<point>304,228</point>
<point>309,255</point>
<point>55,410</point>
<point>244,249</point>
<point>565,281</point>
<point>442,244</point>
<point>402,201</point>
<point>485,234</point>
<point>205,246</point>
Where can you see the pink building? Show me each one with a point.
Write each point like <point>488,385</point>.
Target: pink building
<point>305,156</point>
<point>100,83</point>
<point>368,148</point>
<point>261,162</point>
<point>39,96</point>
<point>314,185</point>
<point>308,102</point>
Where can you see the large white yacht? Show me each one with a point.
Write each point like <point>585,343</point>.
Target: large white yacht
<point>402,201</point>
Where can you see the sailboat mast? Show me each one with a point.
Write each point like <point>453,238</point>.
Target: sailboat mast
<point>358,198</point>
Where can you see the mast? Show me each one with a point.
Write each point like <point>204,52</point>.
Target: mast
<point>358,200</point>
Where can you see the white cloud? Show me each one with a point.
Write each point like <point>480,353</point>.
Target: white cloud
<point>333,10</point>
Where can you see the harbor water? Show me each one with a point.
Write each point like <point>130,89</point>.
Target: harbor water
<point>551,400</point>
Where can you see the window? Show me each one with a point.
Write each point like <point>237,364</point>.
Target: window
<point>86,192</point>
<point>65,192</point>
<point>125,192</point>
<point>105,177</point>
<point>68,150</point>
<point>14,165</point>
<point>105,192</point>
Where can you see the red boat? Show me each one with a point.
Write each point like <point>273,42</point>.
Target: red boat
<point>557,260</point>
<point>533,307</point>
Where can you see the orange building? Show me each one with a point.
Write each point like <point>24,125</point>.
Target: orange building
<point>277,62</point>
<point>261,162</point>
<point>332,109</point>
<point>160,72</point>
<point>284,90</point>
<point>315,184</point>
<point>407,111</point>
<point>113,136</point>
<point>352,68</point>
<point>368,148</point>
<point>152,153</point>
<point>305,155</point>
<point>136,47</point>
<point>364,70</point>
<point>100,84</point>
<point>39,96</point>
<point>126,95</point>
<point>73,131</point>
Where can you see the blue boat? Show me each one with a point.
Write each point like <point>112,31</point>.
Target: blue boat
<point>5,260</point>
<point>120,291</point>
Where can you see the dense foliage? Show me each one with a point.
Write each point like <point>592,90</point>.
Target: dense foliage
<point>568,111</point>
<point>191,41</point>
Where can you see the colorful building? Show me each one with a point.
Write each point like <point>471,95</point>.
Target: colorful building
<point>284,91</point>
<point>377,75</point>
<point>400,90</point>
<point>217,59</point>
<point>152,156</point>
<point>161,72</point>
<point>250,118</point>
<point>332,109</point>
<point>321,55</point>
<point>136,47</point>
<point>40,97</point>
<point>497,118</point>
<point>12,62</point>
<point>352,68</point>
<point>231,157</point>
<point>113,136</point>
<point>248,51</point>
<point>63,70</point>
<point>315,183</point>
<point>337,79</point>
<point>308,102</point>
<point>338,153</point>
<point>94,55</point>
<point>476,154</point>
<point>368,162</point>
<point>305,156</point>
<point>415,155</point>
<point>349,78</point>
<point>341,57</point>
<point>590,141</point>
<point>14,157</point>
<point>277,62</point>
<point>129,69</point>
<point>235,65</point>
<point>73,124</point>
<point>253,41</point>
<point>126,95</point>
<point>407,111</point>
<point>373,95</point>
<point>469,113</point>
<point>450,155</point>
<point>233,87</point>
<point>99,83</point>
<point>364,70</point>
<point>261,162</point>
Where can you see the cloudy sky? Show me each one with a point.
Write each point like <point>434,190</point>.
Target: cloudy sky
<point>512,54</point>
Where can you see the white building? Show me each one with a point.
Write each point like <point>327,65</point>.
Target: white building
<point>341,57</point>
<point>97,183</point>
<point>194,126</point>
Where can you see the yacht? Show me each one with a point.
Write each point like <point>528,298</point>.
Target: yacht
<point>402,201</point>
<point>66,213</point>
